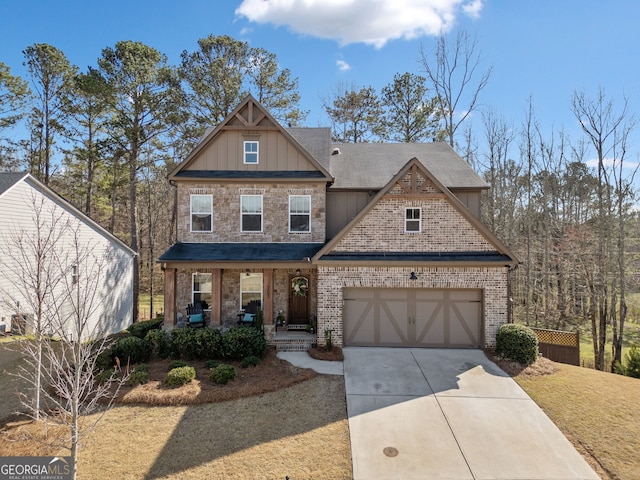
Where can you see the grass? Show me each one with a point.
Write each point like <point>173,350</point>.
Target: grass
<point>587,357</point>
<point>597,411</point>
<point>144,305</point>
<point>242,430</point>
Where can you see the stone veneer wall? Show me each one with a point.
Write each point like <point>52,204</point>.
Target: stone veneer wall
<point>444,229</point>
<point>231,291</point>
<point>332,280</point>
<point>275,215</point>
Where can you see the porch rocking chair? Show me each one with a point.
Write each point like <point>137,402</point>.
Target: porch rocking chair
<point>195,315</point>
<point>250,312</point>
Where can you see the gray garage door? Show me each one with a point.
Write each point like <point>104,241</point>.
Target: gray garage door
<point>413,317</point>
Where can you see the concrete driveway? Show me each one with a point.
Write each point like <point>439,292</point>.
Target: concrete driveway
<point>448,414</point>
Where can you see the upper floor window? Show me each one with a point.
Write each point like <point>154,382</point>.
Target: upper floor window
<point>299,213</point>
<point>251,151</point>
<point>201,213</point>
<point>412,221</point>
<point>251,213</point>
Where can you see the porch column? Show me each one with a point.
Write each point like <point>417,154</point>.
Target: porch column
<point>170,296</point>
<point>216,296</point>
<point>267,308</point>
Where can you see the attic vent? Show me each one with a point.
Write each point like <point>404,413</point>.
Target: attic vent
<point>336,151</point>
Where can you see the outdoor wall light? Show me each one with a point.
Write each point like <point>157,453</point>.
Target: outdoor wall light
<point>413,276</point>
<point>298,272</point>
<point>248,272</point>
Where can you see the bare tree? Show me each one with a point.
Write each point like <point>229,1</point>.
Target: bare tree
<point>451,70</point>
<point>607,131</point>
<point>60,271</point>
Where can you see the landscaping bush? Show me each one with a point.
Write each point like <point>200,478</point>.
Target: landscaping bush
<point>132,350</point>
<point>250,361</point>
<point>177,364</point>
<point>180,376</point>
<point>143,367</point>
<point>632,366</point>
<point>211,364</point>
<point>194,344</point>
<point>160,343</point>
<point>240,342</point>
<point>105,375</point>
<point>138,376</point>
<point>208,343</point>
<point>140,329</point>
<point>518,343</point>
<point>222,374</point>
<point>182,343</point>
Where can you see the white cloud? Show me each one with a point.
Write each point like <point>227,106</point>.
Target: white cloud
<point>373,22</point>
<point>612,162</point>
<point>343,66</point>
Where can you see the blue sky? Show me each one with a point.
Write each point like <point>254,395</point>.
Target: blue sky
<point>545,49</point>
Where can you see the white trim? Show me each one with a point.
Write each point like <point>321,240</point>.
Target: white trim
<point>419,219</point>
<point>309,214</point>
<point>191,230</point>
<point>245,151</point>
<point>252,213</point>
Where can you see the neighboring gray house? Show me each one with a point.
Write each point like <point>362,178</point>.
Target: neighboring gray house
<point>84,259</point>
<point>380,243</point>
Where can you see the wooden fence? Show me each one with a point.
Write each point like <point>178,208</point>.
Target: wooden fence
<point>559,346</point>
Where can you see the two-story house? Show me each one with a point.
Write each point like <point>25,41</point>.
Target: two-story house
<point>379,243</point>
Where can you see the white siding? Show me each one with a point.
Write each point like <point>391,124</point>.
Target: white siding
<point>106,261</point>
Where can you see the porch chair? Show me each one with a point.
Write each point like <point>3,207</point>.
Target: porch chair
<point>195,315</point>
<point>250,312</point>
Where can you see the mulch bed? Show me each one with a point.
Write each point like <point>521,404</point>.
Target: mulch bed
<point>321,353</point>
<point>269,375</point>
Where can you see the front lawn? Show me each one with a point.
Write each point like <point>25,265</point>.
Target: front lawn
<point>597,411</point>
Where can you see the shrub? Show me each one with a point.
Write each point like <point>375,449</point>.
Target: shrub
<point>211,363</point>
<point>518,343</point>
<point>138,377</point>
<point>241,341</point>
<point>177,364</point>
<point>140,329</point>
<point>105,375</point>
<point>143,367</point>
<point>208,343</point>
<point>180,376</point>
<point>132,349</point>
<point>250,361</point>
<point>222,374</point>
<point>200,343</point>
<point>632,367</point>
<point>160,343</point>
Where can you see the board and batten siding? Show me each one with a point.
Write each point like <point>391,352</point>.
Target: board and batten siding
<point>114,285</point>
<point>276,153</point>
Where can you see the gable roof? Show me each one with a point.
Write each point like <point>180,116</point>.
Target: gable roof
<point>502,254</point>
<point>257,118</point>
<point>371,165</point>
<point>8,180</point>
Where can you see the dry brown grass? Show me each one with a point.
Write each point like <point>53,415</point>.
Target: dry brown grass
<point>300,430</point>
<point>596,411</point>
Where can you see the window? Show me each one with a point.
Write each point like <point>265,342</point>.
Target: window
<point>201,213</point>
<point>250,151</point>
<point>74,274</point>
<point>412,220</point>
<point>299,213</point>
<point>201,291</point>
<point>251,213</point>
<point>250,289</point>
